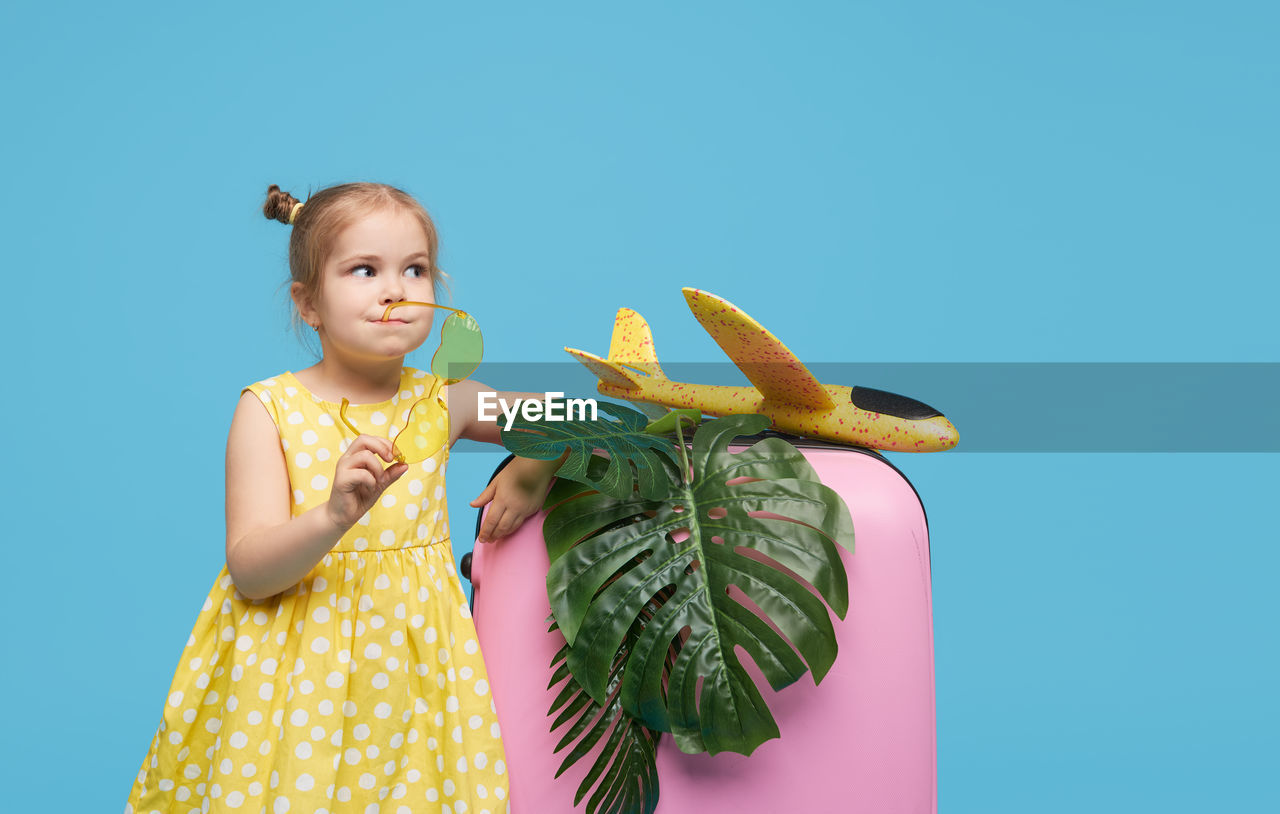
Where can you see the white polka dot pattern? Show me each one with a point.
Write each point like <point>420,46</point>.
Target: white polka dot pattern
<point>359,689</point>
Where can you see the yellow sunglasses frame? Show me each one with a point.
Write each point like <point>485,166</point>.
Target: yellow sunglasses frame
<point>434,446</point>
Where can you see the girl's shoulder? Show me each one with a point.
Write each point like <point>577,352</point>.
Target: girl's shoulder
<point>269,384</point>
<point>273,392</point>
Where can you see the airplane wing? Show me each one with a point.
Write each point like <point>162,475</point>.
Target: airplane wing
<point>772,368</point>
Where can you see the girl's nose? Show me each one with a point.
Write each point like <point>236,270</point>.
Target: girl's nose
<point>393,291</point>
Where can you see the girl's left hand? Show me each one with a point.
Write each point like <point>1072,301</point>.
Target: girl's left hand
<point>514,494</point>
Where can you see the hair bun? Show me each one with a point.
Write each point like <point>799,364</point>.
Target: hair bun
<point>279,204</point>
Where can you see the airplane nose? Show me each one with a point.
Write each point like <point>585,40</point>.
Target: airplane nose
<point>879,401</point>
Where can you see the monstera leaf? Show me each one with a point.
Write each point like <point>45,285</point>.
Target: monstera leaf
<point>624,440</point>
<point>702,572</point>
<point>624,773</point>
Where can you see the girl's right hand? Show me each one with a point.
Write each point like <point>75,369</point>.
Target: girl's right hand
<point>359,479</point>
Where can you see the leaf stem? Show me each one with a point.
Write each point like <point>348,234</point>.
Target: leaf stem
<point>684,458</point>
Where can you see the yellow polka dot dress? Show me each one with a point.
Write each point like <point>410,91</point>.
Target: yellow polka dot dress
<point>361,689</point>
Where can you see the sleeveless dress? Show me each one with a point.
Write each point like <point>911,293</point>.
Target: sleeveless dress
<point>361,689</point>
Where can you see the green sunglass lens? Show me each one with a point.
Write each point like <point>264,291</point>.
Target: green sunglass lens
<point>461,348</point>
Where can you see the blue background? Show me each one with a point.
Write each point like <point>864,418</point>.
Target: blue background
<point>925,182</point>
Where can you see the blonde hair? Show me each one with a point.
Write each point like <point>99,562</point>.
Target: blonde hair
<point>326,213</point>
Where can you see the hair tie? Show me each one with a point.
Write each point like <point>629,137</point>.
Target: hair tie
<point>293,213</point>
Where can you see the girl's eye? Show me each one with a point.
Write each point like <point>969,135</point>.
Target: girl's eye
<point>416,271</point>
<point>362,271</point>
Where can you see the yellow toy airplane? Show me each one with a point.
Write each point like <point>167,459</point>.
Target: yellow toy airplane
<point>784,390</point>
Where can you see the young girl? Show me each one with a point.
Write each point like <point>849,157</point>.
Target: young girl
<point>334,666</point>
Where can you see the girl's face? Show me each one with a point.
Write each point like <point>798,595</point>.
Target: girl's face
<point>379,259</point>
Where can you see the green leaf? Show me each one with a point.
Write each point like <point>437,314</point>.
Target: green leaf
<point>667,423</point>
<point>619,433</point>
<point>623,773</point>
<point>673,562</point>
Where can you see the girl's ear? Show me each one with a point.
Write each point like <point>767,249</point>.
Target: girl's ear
<point>306,309</point>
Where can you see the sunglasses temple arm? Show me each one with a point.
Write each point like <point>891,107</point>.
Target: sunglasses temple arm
<point>387,313</point>
<point>342,414</point>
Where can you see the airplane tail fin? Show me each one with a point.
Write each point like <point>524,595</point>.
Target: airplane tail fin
<point>606,371</point>
<point>632,344</point>
<point>631,355</point>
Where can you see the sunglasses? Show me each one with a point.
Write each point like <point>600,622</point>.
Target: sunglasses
<point>459,354</point>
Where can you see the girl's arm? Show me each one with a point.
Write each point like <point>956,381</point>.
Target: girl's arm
<point>518,490</point>
<point>267,550</point>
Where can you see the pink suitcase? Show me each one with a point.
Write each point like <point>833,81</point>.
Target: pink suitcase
<point>862,741</point>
